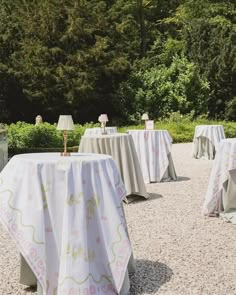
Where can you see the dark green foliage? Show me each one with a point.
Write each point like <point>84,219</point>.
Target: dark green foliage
<point>230,111</point>
<point>209,30</point>
<point>163,89</point>
<point>62,56</point>
<point>86,57</point>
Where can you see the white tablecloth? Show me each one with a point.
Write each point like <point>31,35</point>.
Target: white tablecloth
<point>214,133</point>
<point>121,147</point>
<point>153,148</point>
<point>66,217</point>
<point>224,162</point>
<point>99,130</point>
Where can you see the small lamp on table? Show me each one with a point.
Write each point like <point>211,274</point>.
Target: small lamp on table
<point>103,119</point>
<point>65,123</point>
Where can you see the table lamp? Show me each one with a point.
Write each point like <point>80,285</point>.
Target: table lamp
<point>103,119</point>
<point>65,123</point>
<point>145,118</point>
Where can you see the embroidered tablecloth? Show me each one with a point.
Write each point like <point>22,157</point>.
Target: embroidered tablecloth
<point>65,215</point>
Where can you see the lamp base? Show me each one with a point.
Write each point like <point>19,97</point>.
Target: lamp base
<point>65,154</point>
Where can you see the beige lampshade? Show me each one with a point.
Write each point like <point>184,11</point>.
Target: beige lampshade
<point>103,118</point>
<point>145,117</point>
<point>65,122</point>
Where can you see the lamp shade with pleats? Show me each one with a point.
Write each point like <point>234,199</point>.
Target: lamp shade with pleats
<point>65,122</point>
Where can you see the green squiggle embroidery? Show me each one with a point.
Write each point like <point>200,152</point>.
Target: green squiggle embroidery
<point>103,277</point>
<point>114,243</point>
<point>91,205</point>
<point>72,200</point>
<point>20,213</point>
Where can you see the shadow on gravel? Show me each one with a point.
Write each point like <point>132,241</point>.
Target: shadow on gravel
<point>134,199</point>
<point>154,196</point>
<point>182,178</point>
<point>31,289</point>
<point>149,277</point>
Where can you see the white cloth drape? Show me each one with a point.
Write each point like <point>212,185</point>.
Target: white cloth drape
<point>99,130</point>
<point>66,217</point>
<point>153,148</point>
<point>224,162</point>
<point>214,133</point>
<point>121,147</point>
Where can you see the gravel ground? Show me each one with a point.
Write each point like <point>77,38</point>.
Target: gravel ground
<point>177,251</point>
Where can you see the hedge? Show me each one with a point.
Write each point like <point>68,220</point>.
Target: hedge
<point>28,138</point>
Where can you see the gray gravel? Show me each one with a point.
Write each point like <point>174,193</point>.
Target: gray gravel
<point>177,251</point>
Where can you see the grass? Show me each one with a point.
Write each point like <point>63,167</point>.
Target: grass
<point>183,130</point>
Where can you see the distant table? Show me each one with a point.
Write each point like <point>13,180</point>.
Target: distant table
<point>221,193</point>
<point>206,140</point>
<point>154,153</point>
<point>99,131</point>
<point>65,215</point>
<point>121,147</point>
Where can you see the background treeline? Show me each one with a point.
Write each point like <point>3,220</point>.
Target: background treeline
<point>122,57</point>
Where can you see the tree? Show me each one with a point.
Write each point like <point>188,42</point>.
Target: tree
<point>161,90</point>
<point>63,57</point>
<point>209,30</point>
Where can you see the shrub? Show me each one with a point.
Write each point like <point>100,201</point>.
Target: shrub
<point>26,136</point>
<point>167,89</point>
<point>230,111</point>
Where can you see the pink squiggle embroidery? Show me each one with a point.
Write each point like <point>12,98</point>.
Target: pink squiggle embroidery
<point>40,264</point>
<point>121,192</point>
<point>20,235</point>
<point>48,229</point>
<point>23,244</point>
<point>75,232</point>
<point>119,264</point>
<point>90,290</point>
<point>33,253</point>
